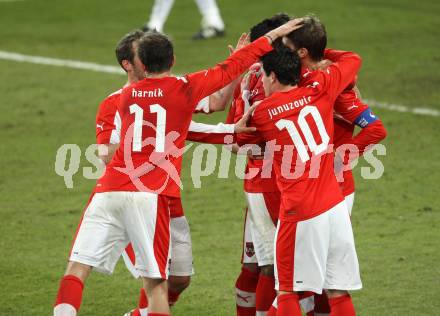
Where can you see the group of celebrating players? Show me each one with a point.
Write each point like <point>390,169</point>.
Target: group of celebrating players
<point>295,105</point>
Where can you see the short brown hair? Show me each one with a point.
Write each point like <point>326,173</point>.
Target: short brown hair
<point>124,48</point>
<point>156,52</point>
<point>311,35</point>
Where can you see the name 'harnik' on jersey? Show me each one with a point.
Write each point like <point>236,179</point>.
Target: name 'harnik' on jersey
<point>289,106</point>
<point>156,93</point>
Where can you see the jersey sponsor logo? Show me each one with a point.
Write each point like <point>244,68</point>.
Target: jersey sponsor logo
<point>249,250</point>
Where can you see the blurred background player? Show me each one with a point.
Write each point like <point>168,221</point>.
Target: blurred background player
<point>212,24</point>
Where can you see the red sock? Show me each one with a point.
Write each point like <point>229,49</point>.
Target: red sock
<point>273,309</point>
<point>143,300</point>
<point>69,295</point>
<point>322,306</point>
<point>265,293</point>
<point>342,306</point>
<point>245,288</point>
<point>173,297</point>
<point>288,305</point>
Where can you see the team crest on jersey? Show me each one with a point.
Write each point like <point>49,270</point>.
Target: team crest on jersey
<point>250,251</point>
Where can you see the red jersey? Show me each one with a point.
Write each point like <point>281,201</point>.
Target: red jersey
<point>156,114</point>
<point>300,121</point>
<point>108,129</point>
<point>250,91</point>
<point>108,121</point>
<point>348,111</point>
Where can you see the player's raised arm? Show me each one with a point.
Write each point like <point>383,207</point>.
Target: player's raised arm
<point>342,71</point>
<point>208,81</point>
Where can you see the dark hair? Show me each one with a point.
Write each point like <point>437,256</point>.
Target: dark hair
<point>124,48</point>
<point>311,35</point>
<point>284,63</point>
<point>156,52</point>
<point>268,25</point>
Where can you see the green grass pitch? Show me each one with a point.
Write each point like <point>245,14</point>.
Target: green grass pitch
<point>396,218</point>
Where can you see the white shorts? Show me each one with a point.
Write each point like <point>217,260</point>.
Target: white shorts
<point>248,255</point>
<point>318,253</point>
<point>181,261</point>
<point>262,227</point>
<point>112,220</point>
<point>349,199</point>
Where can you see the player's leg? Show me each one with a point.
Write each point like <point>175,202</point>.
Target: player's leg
<point>149,221</point>
<point>301,254</point>
<point>181,263</point>
<point>159,14</point>
<point>99,243</point>
<point>246,284</point>
<point>130,262</point>
<point>342,265</point>
<point>322,305</point>
<point>69,296</point>
<point>212,22</point>
<point>263,210</point>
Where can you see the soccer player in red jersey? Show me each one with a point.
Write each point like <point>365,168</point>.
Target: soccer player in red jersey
<point>132,197</point>
<point>314,242</point>
<point>349,111</point>
<point>108,125</point>
<point>255,286</point>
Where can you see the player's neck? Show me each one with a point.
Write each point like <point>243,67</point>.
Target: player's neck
<point>283,88</point>
<point>309,63</point>
<point>158,75</point>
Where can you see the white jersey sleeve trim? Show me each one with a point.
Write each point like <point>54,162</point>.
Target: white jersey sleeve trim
<point>208,128</point>
<point>115,137</point>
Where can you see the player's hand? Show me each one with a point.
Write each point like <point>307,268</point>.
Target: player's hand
<point>285,29</point>
<point>260,155</point>
<point>241,125</point>
<point>243,41</point>
<point>323,64</point>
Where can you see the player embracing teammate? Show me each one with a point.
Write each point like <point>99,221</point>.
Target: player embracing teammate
<point>131,200</point>
<point>310,42</point>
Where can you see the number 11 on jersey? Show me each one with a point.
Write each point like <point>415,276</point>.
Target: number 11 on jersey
<point>138,123</point>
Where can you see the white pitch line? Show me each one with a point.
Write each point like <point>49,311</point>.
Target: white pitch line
<point>117,70</point>
<point>402,108</point>
<point>60,62</point>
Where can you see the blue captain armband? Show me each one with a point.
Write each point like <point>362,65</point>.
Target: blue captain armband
<point>365,118</point>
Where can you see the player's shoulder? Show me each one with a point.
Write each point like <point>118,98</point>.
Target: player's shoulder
<point>113,96</point>
<point>111,101</point>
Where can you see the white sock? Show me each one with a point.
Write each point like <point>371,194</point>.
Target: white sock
<point>159,14</point>
<point>64,310</point>
<point>210,13</point>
